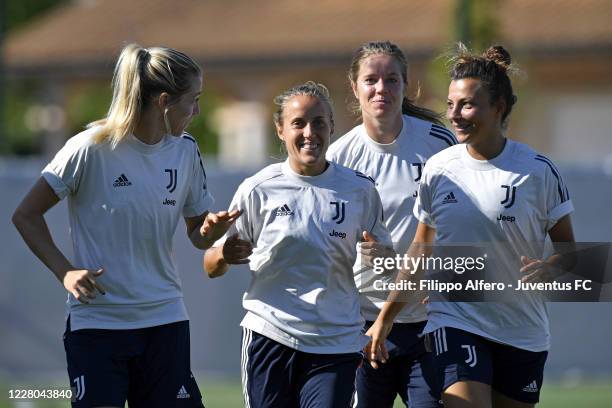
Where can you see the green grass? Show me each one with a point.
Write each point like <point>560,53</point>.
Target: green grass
<point>587,395</point>
<point>229,395</point>
<point>221,394</point>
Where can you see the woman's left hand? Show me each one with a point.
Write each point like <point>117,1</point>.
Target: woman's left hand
<point>538,270</point>
<point>370,249</point>
<point>215,225</point>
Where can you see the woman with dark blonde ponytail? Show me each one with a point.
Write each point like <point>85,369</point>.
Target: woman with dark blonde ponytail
<point>494,193</point>
<point>129,178</point>
<point>391,146</point>
<point>302,220</point>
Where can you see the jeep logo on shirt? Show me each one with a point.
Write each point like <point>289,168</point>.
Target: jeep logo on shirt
<point>503,217</point>
<point>338,234</point>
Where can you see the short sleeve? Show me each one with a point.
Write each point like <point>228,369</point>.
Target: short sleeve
<point>242,226</point>
<point>199,199</point>
<point>422,205</point>
<point>64,172</point>
<point>558,203</point>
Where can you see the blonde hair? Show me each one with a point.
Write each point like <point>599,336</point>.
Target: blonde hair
<point>141,74</point>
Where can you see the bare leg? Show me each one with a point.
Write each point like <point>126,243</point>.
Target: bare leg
<point>467,394</point>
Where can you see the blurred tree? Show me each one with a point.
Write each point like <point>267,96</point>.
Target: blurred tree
<point>19,130</point>
<point>18,12</point>
<point>475,25</point>
<point>201,128</point>
<point>16,135</point>
<point>2,86</point>
<point>90,101</point>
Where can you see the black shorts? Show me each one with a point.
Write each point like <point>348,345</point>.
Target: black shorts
<point>462,356</point>
<point>408,372</point>
<point>148,367</point>
<point>277,376</point>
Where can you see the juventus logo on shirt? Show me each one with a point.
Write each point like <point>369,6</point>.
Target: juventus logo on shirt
<point>509,200</point>
<point>172,184</point>
<point>339,217</point>
<point>419,168</point>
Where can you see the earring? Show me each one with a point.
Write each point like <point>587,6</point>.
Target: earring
<point>167,122</point>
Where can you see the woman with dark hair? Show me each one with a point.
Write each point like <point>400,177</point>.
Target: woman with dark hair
<point>490,189</point>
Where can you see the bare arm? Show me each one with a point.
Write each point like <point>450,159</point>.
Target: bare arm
<point>234,251</point>
<point>213,262</point>
<point>563,260</point>
<point>393,306</point>
<point>207,228</point>
<point>30,222</point>
<point>376,349</point>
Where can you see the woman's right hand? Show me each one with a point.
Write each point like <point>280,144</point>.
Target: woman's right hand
<point>376,350</point>
<point>236,251</point>
<point>82,284</point>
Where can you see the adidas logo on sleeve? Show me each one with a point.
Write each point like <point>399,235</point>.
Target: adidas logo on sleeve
<point>122,181</point>
<point>450,198</point>
<point>283,211</point>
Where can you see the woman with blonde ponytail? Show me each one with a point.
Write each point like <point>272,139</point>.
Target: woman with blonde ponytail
<point>301,334</point>
<point>129,178</point>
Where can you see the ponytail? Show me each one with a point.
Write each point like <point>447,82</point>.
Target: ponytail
<point>141,74</point>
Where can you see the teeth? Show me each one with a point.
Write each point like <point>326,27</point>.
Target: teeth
<point>309,145</point>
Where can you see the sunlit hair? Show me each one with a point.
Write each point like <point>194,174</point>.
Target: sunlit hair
<point>140,75</point>
<point>387,48</point>
<point>309,88</point>
<point>491,68</point>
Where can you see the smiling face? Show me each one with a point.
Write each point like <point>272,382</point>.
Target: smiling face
<point>182,109</point>
<point>470,111</point>
<point>306,128</point>
<point>379,87</point>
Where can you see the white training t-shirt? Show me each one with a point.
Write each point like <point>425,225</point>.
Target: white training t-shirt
<point>304,230</point>
<point>124,205</point>
<point>508,203</point>
<point>396,168</point>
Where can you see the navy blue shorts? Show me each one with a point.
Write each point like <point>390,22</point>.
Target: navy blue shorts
<point>148,367</point>
<point>274,375</point>
<point>463,356</point>
<point>408,372</point>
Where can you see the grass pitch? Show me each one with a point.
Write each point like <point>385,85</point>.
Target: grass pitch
<point>228,394</point>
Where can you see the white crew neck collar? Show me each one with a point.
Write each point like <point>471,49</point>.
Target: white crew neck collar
<point>146,148</point>
<point>386,147</point>
<point>483,165</point>
<point>308,180</point>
